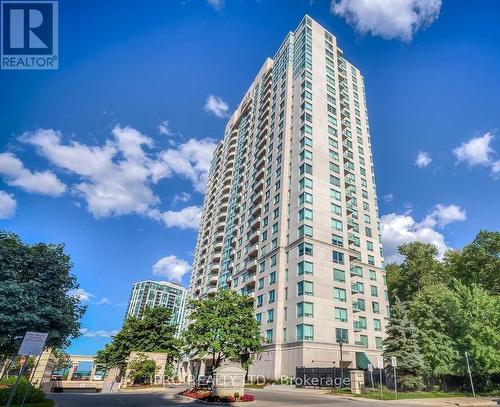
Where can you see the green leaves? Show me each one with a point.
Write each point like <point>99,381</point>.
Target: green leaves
<point>151,333</point>
<point>35,280</point>
<point>223,326</point>
<point>454,304</point>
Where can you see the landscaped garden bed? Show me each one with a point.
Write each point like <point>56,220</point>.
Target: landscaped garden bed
<point>206,395</point>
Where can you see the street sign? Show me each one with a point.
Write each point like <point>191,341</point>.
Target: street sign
<point>380,362</point>
<point>370,367</point>
<point>33,343</point>
<point>393,361</point>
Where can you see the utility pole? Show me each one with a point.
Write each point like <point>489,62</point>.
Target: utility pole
<point>470,374</point>
<point>341,343</point>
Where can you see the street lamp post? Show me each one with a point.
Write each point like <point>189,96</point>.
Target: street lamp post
<point>341,343</point>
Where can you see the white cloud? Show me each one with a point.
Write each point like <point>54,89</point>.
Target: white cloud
<point>443,215</point>
<point>103,301</point>
<point>182,197</point>
<point>186,218</point>
<point>388,198</point>
<point>116,178</point>
<point>478,151</point>
<point>172,268</point>
<point>164,128</point>
<point>399,229</point>
<point>216,4</point>
<point>8,205</point>
<point>16,174</point>
<point>216,106</point>
<point>388,18</point>
<point>423,159</point>
<point>87,333</point>
<point>80,294</point>
<point>191,160</point>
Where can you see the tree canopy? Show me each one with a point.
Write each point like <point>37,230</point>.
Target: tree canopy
<point>454,304</point>
<point>223,326</point>
<point>402,342</point>
<point>152,332</point>
<point>36,283</point>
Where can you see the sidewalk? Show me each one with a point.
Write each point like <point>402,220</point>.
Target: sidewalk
<point>434,402</point>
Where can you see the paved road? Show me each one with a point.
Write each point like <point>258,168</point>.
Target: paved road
<point>168,397</point>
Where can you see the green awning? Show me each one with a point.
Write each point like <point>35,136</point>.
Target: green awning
<point>362,360</point>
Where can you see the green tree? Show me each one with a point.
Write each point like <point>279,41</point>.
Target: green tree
<point>478,262</point>
<point>35,287</point>
<point>153,332</point>
<point>62,359</point>
<point>223,327</point>
<point>478,325</point>
<point>402,342</point>
<point>419,268</point>
<point>435,312</point>
<point>142,369</point>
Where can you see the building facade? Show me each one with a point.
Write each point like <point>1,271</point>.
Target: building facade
<point>157,294</point>
<point>290,214</point>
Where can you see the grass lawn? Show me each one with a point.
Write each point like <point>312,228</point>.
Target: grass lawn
<point>389,395</point>
<point>46,403</point>
<point>254,386</point>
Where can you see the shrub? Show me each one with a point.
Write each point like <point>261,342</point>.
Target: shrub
<point>34,395</point>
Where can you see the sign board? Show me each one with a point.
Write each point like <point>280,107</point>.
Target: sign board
<point>370,367</point>
<point>380,362</point>
<point>33,343</point>
<point>393,361</point>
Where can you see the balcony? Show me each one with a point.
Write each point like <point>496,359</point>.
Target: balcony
<point>254,236</point>
<point>250,282</point>
<point>257,198</point>
<point>213,279</point>
<point>253,250</point>
<point>251,265</point>
<point>256,210</point>
<point>255,223</point>
<point>359,326</point>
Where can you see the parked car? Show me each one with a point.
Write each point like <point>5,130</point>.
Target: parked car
<point>56,376</point>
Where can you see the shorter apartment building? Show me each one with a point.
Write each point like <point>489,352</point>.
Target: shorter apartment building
<point>157,294</point>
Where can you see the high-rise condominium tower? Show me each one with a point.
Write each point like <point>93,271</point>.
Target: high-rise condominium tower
<point>290,214</point>
<point>157,294</point>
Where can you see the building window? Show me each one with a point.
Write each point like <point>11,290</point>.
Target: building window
<point>339,275</point>
<point>258,318</point>
<point>336,224</point>
<point>305,197</point>
<point>261,284</point>
<point>337,257</point>
<point>305,214</point>
<point>377,325</point>
<point>379,342</point>
<point>273,260</point>
<point>269,335</point>
<point>305,288</point>
<point>373,275</point>
<point>375,307</point>
<point>270,315</point>
<point>363,341</point>
<point>337,240</point>
<point>260,300</point>
<point>339,294</point>
<point>305,267</point>
<point>271,296</point>
<point>374,291</point>
<point>306,230</point>
<point>341,335</point>
<point>272,277</point>
<point>305,309</point>
<point>305,332</point>
<point>340,314</point>
<point>305,249</point>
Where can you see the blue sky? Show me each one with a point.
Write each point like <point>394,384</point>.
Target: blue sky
<point>109,153</point>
